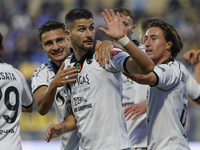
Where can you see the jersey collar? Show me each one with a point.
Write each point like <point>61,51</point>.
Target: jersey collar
<point>87,55</point>
<point>168,60</point>
<point>79,64</point>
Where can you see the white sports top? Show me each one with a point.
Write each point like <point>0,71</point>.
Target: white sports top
<point>134,93</point>
<point>96,102</point>
<point>43,76</point>
<point>14,93</point>
<point>167,108</point>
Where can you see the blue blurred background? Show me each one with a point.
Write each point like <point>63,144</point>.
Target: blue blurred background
<point>19,20</point>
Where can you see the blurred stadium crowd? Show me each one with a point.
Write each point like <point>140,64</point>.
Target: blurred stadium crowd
<point>19,20</point>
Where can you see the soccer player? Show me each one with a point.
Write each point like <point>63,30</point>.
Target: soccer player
<point>134,94</point>
<point>96,95</point>
<point>48,80</point>
<point>167,96</point>
<point>15,97</point>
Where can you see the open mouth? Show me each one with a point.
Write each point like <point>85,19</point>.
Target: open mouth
<point>148,51</point>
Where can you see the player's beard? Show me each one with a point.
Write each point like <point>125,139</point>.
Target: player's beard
<point>80,45</point>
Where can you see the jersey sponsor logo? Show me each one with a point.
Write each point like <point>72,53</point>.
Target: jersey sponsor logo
<point>115,52</point>
<point>82,84</point>
<point>7,76</point>
<point>84,107</point>
<point>82,80</point>
<point>125,97</point>
<point>127,104</point>
<point>7,131</point>
<point>163,69</point>
<point>78,100</point>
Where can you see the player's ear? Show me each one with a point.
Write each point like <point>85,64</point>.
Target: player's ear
<point>132,28</point>
<point>42,47</point>
<point>68,35</point>
<point>1,50</point>
<point>169,45</point>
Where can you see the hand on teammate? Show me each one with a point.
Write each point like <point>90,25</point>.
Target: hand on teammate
<point>64,76</point>
<point>134,110</point>
<point>103,51</point>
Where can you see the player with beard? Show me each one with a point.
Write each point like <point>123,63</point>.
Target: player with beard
<point>96,95</point>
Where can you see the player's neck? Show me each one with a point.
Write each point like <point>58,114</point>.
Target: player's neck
<point>80,53</point>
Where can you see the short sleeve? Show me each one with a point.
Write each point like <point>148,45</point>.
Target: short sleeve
<point>117,61</point>
<point>39,79</point>
<point>26,95</point>
<point>168,77</point>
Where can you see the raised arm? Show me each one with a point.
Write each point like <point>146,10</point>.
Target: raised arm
<point>139,62</point>
<point>193,87</point>
<point>44,96</point>
<point>193,57</point>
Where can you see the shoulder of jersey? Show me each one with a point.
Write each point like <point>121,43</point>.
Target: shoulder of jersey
<point>67,60</point>
<point>41,67</point>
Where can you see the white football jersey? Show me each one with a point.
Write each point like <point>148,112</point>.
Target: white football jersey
<point>134,93</point>
<point>96,100</point>
<point>43,77</point>
<point>14,93</point>
<point>167,108</point>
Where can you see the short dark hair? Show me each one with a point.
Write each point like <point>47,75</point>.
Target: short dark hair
<point>1,40</point>
<point>145,22</point>
<point>50,25</point>
<point>75,14</point>
<point>170,34</point>
<point>124,11</point>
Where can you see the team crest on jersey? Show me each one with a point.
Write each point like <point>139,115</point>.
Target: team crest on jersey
<point>89,61</point>
<point>78,100</point>
<point>78,67</point>
<point>115,52</point>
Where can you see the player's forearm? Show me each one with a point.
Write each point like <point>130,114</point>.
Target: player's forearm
<point>69,124</point>
<point>141,63</point>
<point>197,72</point>
<point>149,79</point>
<point>45,101</point>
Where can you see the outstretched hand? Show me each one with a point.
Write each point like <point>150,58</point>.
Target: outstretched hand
<point>115,28</point>
<point>53,131</point>
<point>134,110</point>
